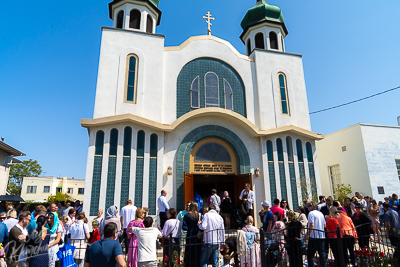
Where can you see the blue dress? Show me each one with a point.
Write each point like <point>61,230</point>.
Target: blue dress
<point>39,256</point>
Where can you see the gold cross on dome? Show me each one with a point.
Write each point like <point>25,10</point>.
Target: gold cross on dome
<point>208,17</point>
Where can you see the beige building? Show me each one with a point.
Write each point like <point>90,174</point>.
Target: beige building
<point>38,189</point>
<point>7,154</point>
<point>366,156</point>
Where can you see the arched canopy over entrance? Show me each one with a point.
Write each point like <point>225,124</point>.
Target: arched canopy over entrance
<point>224,137</point>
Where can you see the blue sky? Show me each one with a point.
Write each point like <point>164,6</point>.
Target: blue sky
<point>49,54</point>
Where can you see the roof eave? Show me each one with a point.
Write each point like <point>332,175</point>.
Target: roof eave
<point>11,150</point>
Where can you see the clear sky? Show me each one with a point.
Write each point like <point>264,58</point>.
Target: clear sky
<point>49,53</point>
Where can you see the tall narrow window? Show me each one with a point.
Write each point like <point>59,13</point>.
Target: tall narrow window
<point>248,47</point>
<point>134,21</point>
<point>299,147</point>
<point>228,95</point>
<point>131,86</point>
<point>281,164</point>
<point>99,143</point>
<point>289,148</point>
<point>120,19</point>
<point>259,38</point>
<point>292,172</point>
<point>273,40</point>
<point>149,24</point>
<point>153,174</point>
<point>284,94</point>
<point>139,168</point>
<point>97,168</point>
<point>280,149</point>
<point>112,165</point>
<point>271,170</point>
<point>309,153</point>
<point>126,166</point>
<point>127,141</point>
<point>211,90</point>
<point>194,93</point>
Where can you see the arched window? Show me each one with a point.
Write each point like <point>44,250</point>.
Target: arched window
<point>289,147</point>
<point>273,40</point>
<point>120,19</point>
<point>99,143</point>
<point>113,142</point>
<point>259,38</point>
<point>248,47</point>
<point>309,153</point>
<point>132,65</point>
<point>134,21</point>
<point>211,89</point>
<point>212,152</point>
<point>299,147</point>
<point>279,147</point>
<point>228,95</point>
<point>194,93</point>
<point>284,94</point>
<point>270,151</point>
<point>127,141</point>
<point>149,24</point>
<point>153,146</point>
<point>140,144</point>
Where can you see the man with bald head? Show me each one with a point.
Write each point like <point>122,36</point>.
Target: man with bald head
<point>163,207</point>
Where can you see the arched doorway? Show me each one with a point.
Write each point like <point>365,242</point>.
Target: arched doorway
<point>213,145</point>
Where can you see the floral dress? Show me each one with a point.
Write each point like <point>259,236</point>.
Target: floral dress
<point>279,237</point>
<point>252,258</point>
<point>133,244</point>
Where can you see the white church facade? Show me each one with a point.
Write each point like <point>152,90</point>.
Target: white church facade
<point>197,116</point>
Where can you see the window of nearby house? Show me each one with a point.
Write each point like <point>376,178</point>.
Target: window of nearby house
<point>31,190</point>
<point>70,191</point>
<point>381,190</point>
<point>398,167</point>
<point>81,191</point>
<point>46,189</point>
<point>335,177</point>
<point>59,189</point>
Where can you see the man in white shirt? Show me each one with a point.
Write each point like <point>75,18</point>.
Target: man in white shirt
<point>248,196</point>
<point>147,249</point>
<point>128,214</point>
<point>10,222</point>
<point>322,202</point>
<point>215,199</point>
<point>316,234</point>
<point>214,236</point>
<point>163,208</point>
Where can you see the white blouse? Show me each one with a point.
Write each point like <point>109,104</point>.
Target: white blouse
<point>174,226</point>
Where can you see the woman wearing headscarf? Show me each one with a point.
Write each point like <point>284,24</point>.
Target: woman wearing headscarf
<point>226,209</point>
<point>55,229</point>
<point>111,216</point>
<point>39,242</point>
<point>293,235</point>
<point>252,257</point>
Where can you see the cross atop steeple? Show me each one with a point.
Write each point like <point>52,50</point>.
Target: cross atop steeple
<point>208,17</point>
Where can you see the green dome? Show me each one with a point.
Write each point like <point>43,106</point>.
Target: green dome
<point>261,12</point>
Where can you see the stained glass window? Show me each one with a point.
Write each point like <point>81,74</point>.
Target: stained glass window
<point>211,91</point>
<point>283,92</point>
<point>228,95</point>
<point>212,152</point>
<point>132,76</point>
<point>194,93</point>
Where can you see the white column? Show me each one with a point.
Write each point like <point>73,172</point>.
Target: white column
<point>146,170</point>
<point>132,180</point>
<point>143,20</point>
<point>265,170</point>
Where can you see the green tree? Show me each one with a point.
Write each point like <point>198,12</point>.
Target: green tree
<point>342,191</point>
<point>28,168</point>
<point>59,197</point>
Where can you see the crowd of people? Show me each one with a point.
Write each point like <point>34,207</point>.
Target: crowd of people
<point>316,227</point>
<point>196,235</point>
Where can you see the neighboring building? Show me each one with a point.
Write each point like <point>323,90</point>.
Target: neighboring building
<point>197,116</point>
<point>367,156</point>
<point>7,154</point>
<point>40,188</point>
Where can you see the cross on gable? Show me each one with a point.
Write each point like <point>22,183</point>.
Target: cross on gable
<point>208,17</point>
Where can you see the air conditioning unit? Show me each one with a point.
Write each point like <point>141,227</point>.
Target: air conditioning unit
<point>8,161</point>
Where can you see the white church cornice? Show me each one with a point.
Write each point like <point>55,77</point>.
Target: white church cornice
<point>227,115</point>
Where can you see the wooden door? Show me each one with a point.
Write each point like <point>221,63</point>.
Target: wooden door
<point>240,181</point>
<point>189,187</point>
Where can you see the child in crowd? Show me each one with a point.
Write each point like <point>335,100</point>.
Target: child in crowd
<point>95,234</point>
<point>228,262</point>
<point>381,214</point>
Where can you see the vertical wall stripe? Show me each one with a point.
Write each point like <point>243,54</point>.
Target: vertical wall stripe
<point>272,182</point>
<point>282,176</point>
<point>139,182</point>
<point>126,169</point>
<point>293,186</point>
<point>152,186</point>
<point>112,165</point>
<point>96,180</point>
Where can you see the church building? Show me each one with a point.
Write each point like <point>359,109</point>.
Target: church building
<point>198,116</point>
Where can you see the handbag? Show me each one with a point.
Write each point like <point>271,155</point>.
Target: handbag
<point>163,239</point>
<point>65,255</point>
